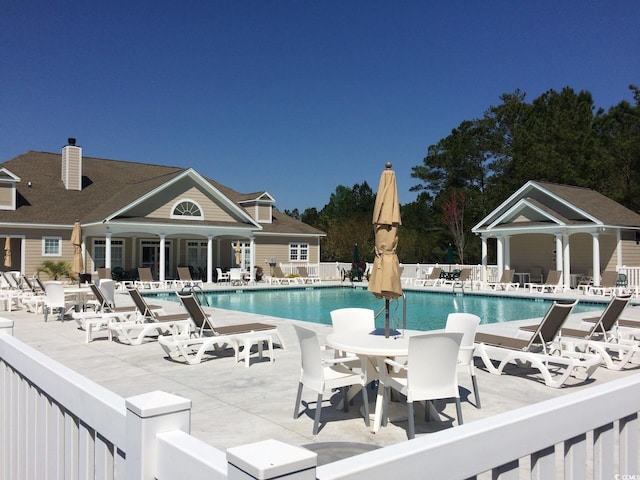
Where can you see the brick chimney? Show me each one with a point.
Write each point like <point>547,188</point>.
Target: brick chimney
<point>72,165</point>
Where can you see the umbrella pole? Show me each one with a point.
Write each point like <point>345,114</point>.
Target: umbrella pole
<point>386,318</point>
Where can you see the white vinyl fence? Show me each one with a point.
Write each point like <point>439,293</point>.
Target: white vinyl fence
<point>56,424</point>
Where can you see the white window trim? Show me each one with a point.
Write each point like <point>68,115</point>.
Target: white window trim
<point>44,241</point>
<point>187,217</point>
<point>114,243</point>
<point>298,250</point>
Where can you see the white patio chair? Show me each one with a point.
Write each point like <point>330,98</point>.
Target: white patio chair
<point>321,374</point>
<point>56,299</point>
<point>430,373</point>
<point>222,276</point>
<point>466,323</point>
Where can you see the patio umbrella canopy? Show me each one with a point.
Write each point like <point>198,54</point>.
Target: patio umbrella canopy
<point>7,252</point>
<point>76,240</point>
<point>238,250</point>
<point>356,254</point>
<point>385,275</point>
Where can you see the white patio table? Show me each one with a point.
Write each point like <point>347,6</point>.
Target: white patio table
<point>373,349</point>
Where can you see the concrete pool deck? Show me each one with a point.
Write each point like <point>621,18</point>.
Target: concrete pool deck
<point>233,405</point>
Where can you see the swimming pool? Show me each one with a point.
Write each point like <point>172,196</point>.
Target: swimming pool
<point>425,310</point>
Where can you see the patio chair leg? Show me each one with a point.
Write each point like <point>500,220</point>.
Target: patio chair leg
<point>345,401</point>
<point>316,420</point>
<point>459,410</point>
<point>296,410</point>
<point>475,391</point>
<point>412,428</point>
<point>365,399</point>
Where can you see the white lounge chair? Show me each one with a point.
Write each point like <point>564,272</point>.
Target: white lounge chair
<point>146,279</point>
<point>540,351</point>
<point>150,322</point>
<point>506,282</point>
<point>191,346</point>
<point>432,280</point>
<point>553,283</point>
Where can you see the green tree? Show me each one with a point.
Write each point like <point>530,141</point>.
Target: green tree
<point>56,270</point>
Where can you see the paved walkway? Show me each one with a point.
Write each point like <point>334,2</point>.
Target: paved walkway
<point>234,405</point>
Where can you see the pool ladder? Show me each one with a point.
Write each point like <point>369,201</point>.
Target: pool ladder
<point>198,292</point>
<point>404,312</point>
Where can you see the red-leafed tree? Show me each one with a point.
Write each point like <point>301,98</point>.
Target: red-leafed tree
<point>453,218</point>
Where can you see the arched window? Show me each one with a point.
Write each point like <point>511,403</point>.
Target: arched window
<point>187,209</point>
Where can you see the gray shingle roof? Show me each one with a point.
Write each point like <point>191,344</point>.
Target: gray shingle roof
<point>108,186</point>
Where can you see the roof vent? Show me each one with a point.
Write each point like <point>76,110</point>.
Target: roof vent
<point>71,141</point>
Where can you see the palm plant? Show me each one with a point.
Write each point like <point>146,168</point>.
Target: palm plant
<point>56,270</point>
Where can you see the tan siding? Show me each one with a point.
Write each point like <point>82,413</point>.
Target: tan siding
<point>264,213</point>
<point>608,255</point>
<point>161,206</point>
<point>535,250</point>
<point>630,253</point>
<point>7,193</point>
<point>72,167</point>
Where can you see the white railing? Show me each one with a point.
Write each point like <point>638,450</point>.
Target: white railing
<point>55,423</point>
<point>633,275</point>
<point>334,270</point>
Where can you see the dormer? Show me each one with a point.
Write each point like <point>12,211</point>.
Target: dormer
<point>259,206</point>
<point>8,192</point>
<point>72,165</point>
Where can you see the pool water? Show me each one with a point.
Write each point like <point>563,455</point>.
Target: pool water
<point>425,310</point>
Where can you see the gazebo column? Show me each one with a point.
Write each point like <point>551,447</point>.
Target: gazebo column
<point>596,258</point>
<point>485,259</point>
<point>500,256</point>
<point>107,250</point>
<point>507,254</point>
<point>558,239</point>
<point>209,259</point>
<point>618,250</point>
<point>161,272</point>
<point>566,261</point>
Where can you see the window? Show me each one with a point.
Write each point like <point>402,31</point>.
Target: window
<point>100,253</point>
<point>298,252</point>
<point>51,246</point>
<point>187,210</point>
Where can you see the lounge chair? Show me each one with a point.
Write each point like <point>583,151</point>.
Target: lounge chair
<point>552,285</point>
<point>506,282</point>
<point>602,337</point>
<point>279,277</point>
<point>146,279</point>
<point>149,323</point>
<point>104,274</point>
<point>185,280</point>
<point>540,351</point>
<point>305,277</point>
<point>191,346</point>
<point>432,280</point>
<point>608,285</point>
<point>462,280</point>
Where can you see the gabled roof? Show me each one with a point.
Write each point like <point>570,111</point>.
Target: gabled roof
<point>540,204</point>
<point>108,187</point>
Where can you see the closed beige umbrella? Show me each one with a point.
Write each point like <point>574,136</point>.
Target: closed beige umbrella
<point>238,254</point>
<point>385,275</point>
<point>76,240</point>
<point>7,252</point>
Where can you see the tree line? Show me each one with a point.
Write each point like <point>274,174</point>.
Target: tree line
<point>559,137</point>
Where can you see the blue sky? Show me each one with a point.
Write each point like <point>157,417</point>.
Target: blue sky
<point>295,97</point>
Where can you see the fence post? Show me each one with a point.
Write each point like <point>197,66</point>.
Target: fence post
<point>147,415</point>
<point>271,459</point>
<point>6,326</point>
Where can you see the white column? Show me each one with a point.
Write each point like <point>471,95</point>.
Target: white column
<point>566,261</point>
<point>209,259</point>
<point>500,257</point>
<point>485,259</point>
<point>507,253</point>
<point>161,272</point>
<point>252,259</point>
<point>23,255</point>
<point>596,258</point>
<point>84,254</point>
<point>107,250</point>
<point>559,252</point>
<point>618,250</point>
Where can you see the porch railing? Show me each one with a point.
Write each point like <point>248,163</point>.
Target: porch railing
<point>54,423</point>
